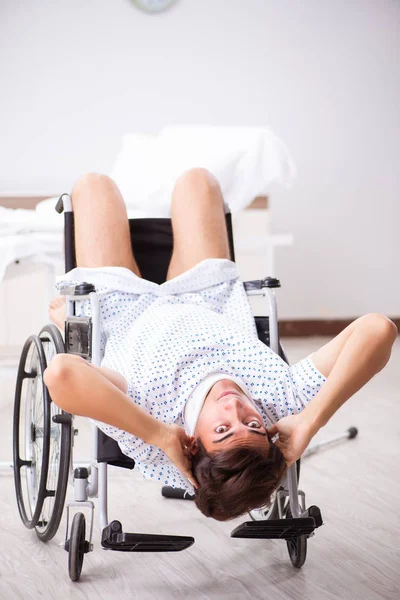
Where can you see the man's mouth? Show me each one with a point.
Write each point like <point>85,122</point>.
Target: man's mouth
<point>227,394</point>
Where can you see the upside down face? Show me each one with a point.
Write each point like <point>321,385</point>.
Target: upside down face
<point>229,419</point>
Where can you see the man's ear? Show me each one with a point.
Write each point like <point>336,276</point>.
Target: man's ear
<point>193,446</point>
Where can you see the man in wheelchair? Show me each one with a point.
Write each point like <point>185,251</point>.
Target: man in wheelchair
<point>185,385</point>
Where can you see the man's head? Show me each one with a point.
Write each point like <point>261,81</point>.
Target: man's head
<point>234,462</point>
<point>229,418</point>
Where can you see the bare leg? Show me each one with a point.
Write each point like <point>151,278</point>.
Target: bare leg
<point>351,359</point>
<point>102,236</point>
<point>198,221</point>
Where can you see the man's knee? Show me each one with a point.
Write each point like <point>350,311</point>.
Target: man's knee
<point>89,182</point>
<point>198,180</point>
<point>60,366</point>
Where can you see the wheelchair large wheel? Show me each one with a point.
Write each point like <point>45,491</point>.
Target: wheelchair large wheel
<point>31,433</point>
<point>60,448</point>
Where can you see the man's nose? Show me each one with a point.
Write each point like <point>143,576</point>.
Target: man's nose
<point>233,403</point>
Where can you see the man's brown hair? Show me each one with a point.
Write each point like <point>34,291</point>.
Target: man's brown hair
<point>232,482</point>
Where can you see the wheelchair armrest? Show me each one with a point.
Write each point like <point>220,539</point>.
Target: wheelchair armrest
<point>75,288</point>
<point>259,284</point>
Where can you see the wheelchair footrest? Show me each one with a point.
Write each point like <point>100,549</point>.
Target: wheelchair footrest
<point>285,529</point>
<point>113,538</point>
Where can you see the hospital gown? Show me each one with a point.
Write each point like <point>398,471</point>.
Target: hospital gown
<point>165,339</point>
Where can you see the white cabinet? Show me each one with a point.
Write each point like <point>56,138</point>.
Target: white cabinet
<point>25,293</point>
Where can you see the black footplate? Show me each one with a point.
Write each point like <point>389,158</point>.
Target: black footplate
<point>113,538</point>
<point>284,529</point>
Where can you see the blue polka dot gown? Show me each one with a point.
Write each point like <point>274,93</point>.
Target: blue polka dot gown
<point>165,339</point>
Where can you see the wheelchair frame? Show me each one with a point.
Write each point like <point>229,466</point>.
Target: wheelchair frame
<point>295,523</point>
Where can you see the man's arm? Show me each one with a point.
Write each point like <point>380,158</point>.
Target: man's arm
<point>348,366</point>
<point>364,352</point>
<point>113,376</point>
<point>81,389</point>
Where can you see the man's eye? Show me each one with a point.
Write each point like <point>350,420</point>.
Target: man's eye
<point>254,424</point>
<point>221,429</point>
<point>251,424</point>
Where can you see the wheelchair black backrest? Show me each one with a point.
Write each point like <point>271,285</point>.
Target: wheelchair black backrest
<point>152,245</point>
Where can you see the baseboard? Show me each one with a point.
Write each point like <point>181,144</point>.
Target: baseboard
<point>323,327</point>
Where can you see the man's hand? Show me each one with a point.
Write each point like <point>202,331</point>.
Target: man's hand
<point>295,434</point>
<point>175,443</point>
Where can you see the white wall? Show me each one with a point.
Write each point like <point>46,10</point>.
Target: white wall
<point>75,76</point>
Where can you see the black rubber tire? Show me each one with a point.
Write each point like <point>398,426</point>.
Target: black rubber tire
<point>76,550</point>
<point>297,547</point>
<point>51,522</point>
<point>31,517</point>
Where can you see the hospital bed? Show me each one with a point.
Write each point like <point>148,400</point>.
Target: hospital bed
<point>43,434</point>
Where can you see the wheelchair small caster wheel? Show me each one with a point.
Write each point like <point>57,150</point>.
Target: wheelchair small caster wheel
<point>77,546</point>
<point>297,547</point>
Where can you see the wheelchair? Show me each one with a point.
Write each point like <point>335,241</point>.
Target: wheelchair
<point>43,434</point>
